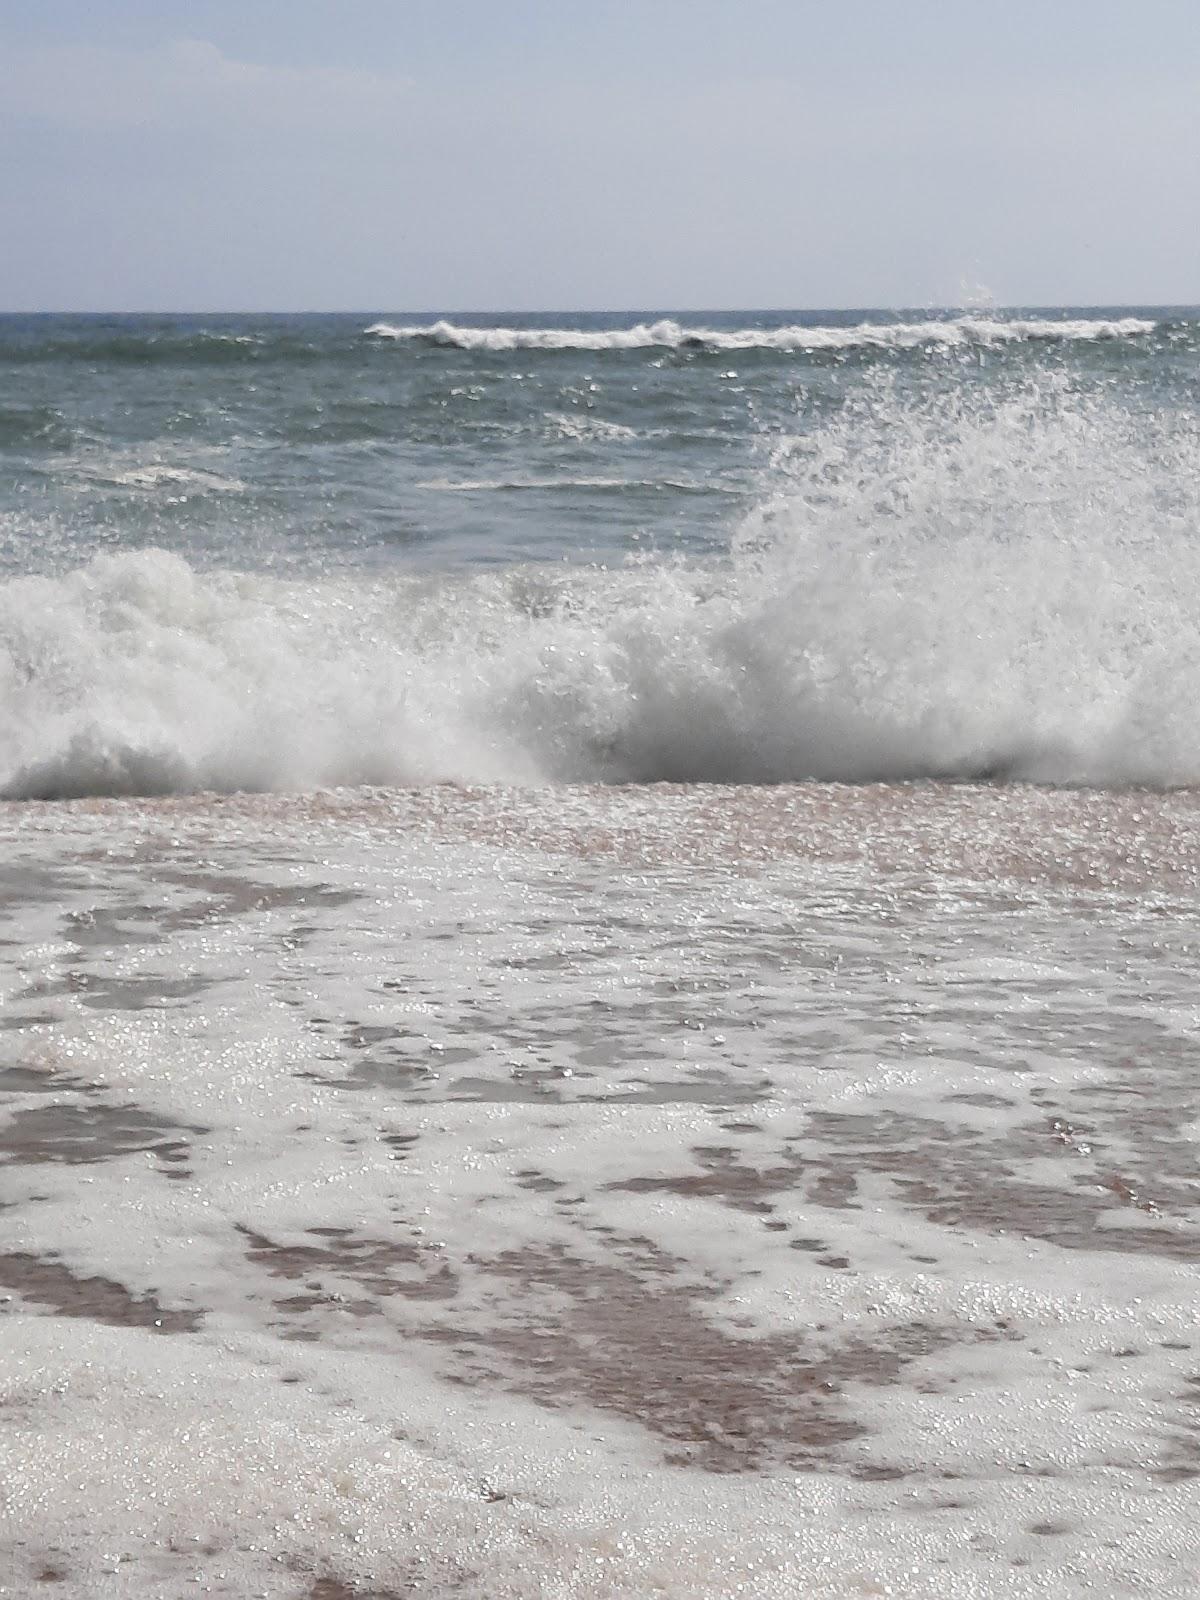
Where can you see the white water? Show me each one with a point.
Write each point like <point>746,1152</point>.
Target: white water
<point>1001,585</point>
<point>624,1143</point>
<point>671,335</point>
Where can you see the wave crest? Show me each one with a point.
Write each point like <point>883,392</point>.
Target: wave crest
<point>666,334</point>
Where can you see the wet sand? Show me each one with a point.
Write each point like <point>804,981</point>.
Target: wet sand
<point>676,1188</point>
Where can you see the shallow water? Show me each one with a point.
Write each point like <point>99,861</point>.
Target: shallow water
<point>597,1191</point>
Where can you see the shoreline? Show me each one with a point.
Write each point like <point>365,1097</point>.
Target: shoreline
<point>601,1191</point>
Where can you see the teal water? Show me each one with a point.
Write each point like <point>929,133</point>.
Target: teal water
<point>255,441</point>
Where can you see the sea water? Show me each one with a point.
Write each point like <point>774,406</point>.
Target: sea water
<point>598,971</point>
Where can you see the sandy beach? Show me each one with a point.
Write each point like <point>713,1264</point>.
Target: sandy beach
<point>599,801</point>
<point>596,1192</point>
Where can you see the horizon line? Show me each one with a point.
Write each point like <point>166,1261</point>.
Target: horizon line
<point>603,311</point>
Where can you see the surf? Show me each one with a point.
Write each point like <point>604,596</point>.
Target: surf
<point>993,582</point>
<point>668,334</point>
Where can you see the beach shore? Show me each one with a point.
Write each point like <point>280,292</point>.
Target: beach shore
<point>583,1191</point>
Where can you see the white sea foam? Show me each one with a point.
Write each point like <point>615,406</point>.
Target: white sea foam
<point>162,475</point>
<point>584,427</point>
<point>551,1227</point>
<point>671,335</point>
<point>998,584</point>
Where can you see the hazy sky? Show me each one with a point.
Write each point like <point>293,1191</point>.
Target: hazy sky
<point>392,154</point>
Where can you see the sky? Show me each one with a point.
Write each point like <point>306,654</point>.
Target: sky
<point>390,155</point>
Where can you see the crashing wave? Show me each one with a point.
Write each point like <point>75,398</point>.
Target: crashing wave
<point>669,335</point>
<point>999,583</point>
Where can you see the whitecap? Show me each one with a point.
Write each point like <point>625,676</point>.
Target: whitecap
<point>671,335</point>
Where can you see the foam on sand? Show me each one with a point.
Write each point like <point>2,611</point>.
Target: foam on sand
<point>600,1192</point>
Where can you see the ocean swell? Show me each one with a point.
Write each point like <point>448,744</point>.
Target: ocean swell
<point>667,334</point>
<point>993,585</point>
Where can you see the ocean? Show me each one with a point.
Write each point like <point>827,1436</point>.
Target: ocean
<point>597,993</point>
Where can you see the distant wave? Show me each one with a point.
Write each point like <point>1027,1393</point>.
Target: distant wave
<point>169,346</point>
<point>670,335</point>
<point>998,583</point>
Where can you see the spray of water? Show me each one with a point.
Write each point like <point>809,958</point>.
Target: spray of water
<point>1000,582</point>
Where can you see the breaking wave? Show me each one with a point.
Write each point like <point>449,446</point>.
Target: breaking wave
<point>670,335</point>
<point>986,583</point>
